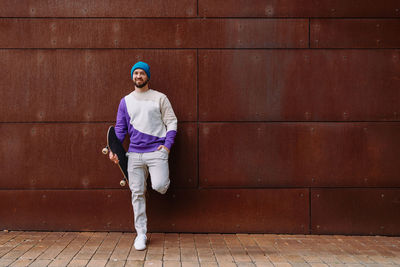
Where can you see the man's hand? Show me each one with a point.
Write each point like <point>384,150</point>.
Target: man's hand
<point>162,146</point>
<point>113,157</point>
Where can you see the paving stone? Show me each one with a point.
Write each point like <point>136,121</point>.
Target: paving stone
<point>78,263</point>
<point>21,263</point>
<point>121,251</point>
<point>115,263</point>
<point>97,263</point>
<point>245,264</point>
<point>59,263</point>
<point>226,264</point>
<point>208,264</point>
<point>134,263</point>
<point>107,246</point>
<point>172,263</point>
<point>282,264</point>
<point>40,263</point>
<point>5,262</point>
<point>264,264</point>
<point>88,250</point>
<point>153,264</point>
<point>190,264</point>
<point>154,257</point>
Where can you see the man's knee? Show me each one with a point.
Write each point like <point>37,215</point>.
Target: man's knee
<point>161,187</point>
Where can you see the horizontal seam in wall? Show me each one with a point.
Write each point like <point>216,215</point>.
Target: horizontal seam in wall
<point>205,188</point>
<point>216,17</point>
<point>201,122</point>
<point>196,48</point>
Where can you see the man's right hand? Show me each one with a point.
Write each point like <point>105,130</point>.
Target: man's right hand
<point>113,157</point>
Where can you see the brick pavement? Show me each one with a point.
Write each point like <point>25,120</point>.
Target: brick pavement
<point>96,249</point>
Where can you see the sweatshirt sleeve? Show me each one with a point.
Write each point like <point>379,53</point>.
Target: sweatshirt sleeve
<point>170,121</point>
<point>121,127</point>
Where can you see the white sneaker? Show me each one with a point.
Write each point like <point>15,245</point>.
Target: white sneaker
<point>140,242</point>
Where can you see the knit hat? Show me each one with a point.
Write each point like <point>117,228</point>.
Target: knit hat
<point>141,65</point>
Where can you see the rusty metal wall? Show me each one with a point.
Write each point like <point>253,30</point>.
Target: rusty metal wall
<point>289,113</point>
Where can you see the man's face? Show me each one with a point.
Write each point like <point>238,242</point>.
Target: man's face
<point>139,78</point>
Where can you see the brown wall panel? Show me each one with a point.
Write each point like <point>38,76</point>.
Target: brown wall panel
<point>355,33</point>
<point>228,210</point>
<point>98,8</point>
<point>102,210</point>
<point>183,159</point>
<point>162,33</point>
<point>68,155</point>
<point>299,154</point>
<point>356,154</point>
<point>87,85</point>
<point>299,85</point>
<point>254,154</point>
<point>207,8</point>
<point>355,211</point>
<point>298,8</point>
<point>258,210</point>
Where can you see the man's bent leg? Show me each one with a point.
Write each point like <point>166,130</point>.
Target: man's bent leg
<point>157,162</point>
<point>138,173</point>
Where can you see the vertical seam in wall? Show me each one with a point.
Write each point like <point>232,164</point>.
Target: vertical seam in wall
<point>309,208</point>
<point>309,32</point>
<point>197,7</point>
<point>197,119</point>
<point>309,188</point>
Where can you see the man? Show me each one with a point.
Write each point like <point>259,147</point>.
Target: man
<point>147,116</point>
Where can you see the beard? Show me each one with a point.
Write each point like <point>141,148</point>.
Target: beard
<point>141,85</point>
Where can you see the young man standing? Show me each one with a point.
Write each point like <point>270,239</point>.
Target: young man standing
<point>147,116</point>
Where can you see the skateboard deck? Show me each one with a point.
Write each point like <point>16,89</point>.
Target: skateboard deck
<point>116,147</point>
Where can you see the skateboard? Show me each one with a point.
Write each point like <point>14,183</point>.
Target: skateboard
<point>116,147</point>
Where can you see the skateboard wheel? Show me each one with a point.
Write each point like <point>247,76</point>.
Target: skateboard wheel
<point>104,151</point>
<point>122,183</point>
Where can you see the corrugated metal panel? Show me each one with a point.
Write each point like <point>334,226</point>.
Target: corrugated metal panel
<point>355,33</point>
<point>298,8</point>
<point>261,210</point>
<point>299,154</point>
<point>68,155</point>
<point>87,85</point>
<point>299,85</point>
<point>355,211</point>
<point>165,33</point>
<point>98,8</point>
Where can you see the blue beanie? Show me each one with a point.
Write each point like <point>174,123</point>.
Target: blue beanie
<point>141,65</point>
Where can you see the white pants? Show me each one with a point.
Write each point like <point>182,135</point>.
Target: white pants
<point>139,167</point>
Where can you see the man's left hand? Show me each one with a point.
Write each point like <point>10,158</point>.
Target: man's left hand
<point>162,146</point>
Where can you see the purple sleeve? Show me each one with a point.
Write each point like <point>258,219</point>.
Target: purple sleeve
<point>121,127</point>
<point>169,139</point>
